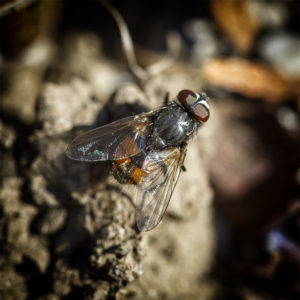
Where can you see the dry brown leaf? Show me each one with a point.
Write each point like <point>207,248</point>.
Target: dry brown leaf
<point>236,20</point>
<point>247,78</point>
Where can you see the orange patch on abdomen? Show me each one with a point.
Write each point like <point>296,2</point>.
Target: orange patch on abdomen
<point>127,172</point>
<point>137,175</point>
<point>124,161</point>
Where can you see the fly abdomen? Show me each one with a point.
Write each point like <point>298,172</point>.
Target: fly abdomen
<point>126,171</point>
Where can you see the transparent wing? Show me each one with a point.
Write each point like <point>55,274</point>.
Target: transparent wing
<point>155,190</point>
<point>117,140</point>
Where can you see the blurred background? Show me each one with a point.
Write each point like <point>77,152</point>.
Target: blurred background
<point>232,230</point>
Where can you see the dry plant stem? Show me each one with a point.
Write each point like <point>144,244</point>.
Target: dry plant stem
<point>8,8</point>
<point>173,45</point>
<point>126,42</point>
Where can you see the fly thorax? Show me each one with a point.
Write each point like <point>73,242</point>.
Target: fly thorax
<point>171,128</point>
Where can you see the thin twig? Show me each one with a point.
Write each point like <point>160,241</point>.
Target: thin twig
<point>173,46</point>
<point>126,42</point>
<point>8,8</point>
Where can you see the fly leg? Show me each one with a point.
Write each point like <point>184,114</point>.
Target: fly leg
<point>166,100</point>
<point>183,146</point>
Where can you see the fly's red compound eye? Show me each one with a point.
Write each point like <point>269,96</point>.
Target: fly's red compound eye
<point>196,104</point>
<point>187,97</point>
<point>201,111</point>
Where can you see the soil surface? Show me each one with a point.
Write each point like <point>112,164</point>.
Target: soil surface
<point>67,228</point>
